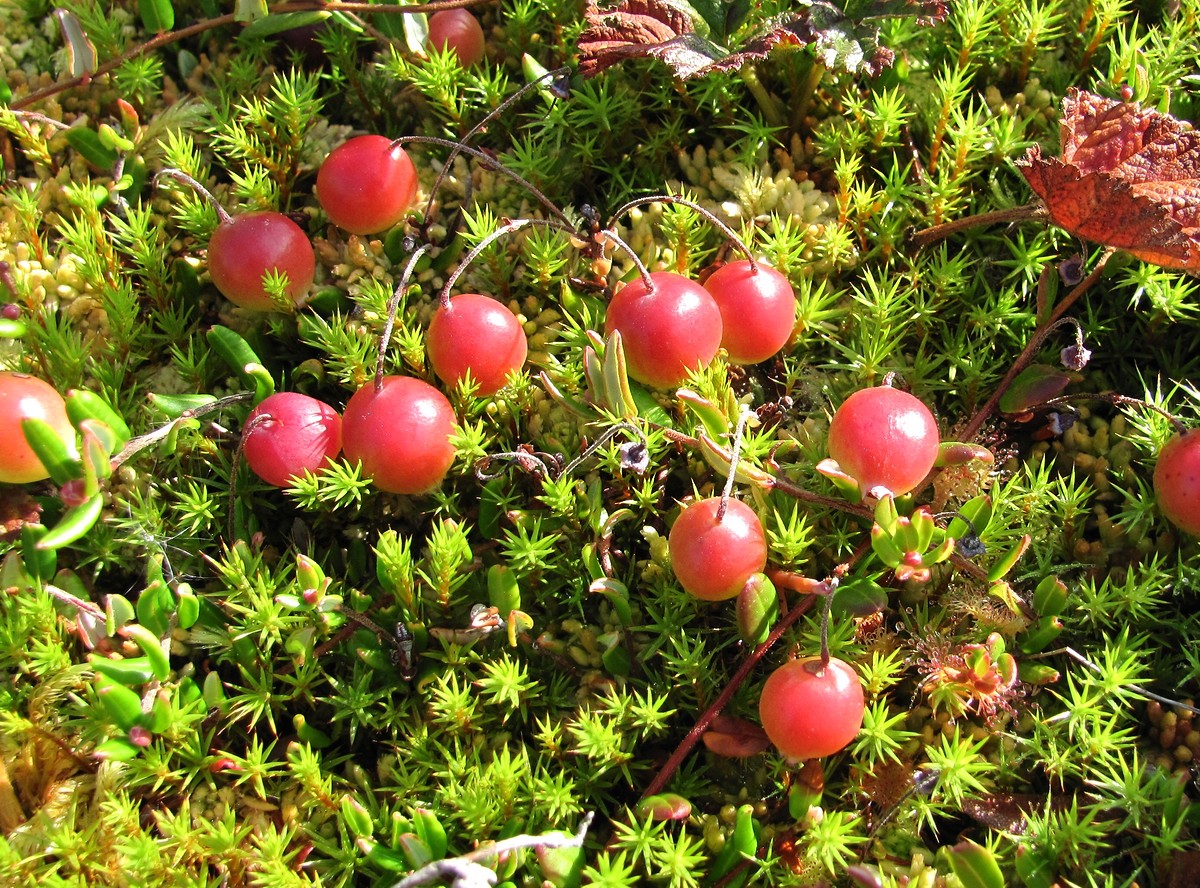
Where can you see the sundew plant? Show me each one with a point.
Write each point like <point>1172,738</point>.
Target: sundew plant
<point>623,442</point>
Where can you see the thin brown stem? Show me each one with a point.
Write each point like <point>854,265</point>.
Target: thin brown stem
<point>718,705</point>
<point>491,163</point>
<point>615,238</point>
<point>691,204</point>
<point>935,233</point>
<point>392,307</point>
<point>981,416</point>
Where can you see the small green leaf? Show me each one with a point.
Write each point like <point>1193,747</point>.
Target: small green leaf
<point>91,148</point>
<point>75,522</point>
<point>237,353</point>
<point>152,647</point>
<point>430,830</point>
<point>1050,597</point>
<point>270,25</point>
<point>54,453</point>
<point>249,10</point>
<point>117,750</point>
<point>81,54</point>
<point>174,406</point>
<point>416,33</point>
<point>1000,569</point>
<point>84,404</point>
<point>122,705</point>
<point>133,672</point>
<point>665,806</point>
<point>757,609</point>
<point>975,866</point>
<point>157,15</point>
<point>504,591</point>
<point>155,606</point>
<point>859,597</point>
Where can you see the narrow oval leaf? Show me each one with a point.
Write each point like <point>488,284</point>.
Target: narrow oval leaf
<point>81,54</point>
<point>75,522</point>
<point>52,450</point>
<point>665,806</point>
<point>90,147</point>
<point>735,737</point>
<point>84,404</point>
<point>975,866</point>
<point>157,15</point>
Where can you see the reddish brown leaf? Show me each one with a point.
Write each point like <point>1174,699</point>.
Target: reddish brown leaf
<point>735,737</point>
<point>635,28</point>
<point>1127,177</point>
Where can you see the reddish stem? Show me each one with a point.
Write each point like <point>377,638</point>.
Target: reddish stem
<point>1027,355</point>
<point>707,214</point>
<point>693,736</point>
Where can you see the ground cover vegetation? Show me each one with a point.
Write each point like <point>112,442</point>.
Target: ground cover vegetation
<point>541,442</point>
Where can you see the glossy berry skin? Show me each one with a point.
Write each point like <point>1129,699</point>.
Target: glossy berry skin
<point>885,439</point>
<point>401,434</point>
<point>476,334</point>
<point>27,397</point>
<point>713,559</point>
<point>459,30</point>
<point>1177,481</point>
<point>667,331</point>
<point>248,246</point>
<point>809,711</point>
<point>288,433</point>
<point>365,185</point>
<point>758,310</point>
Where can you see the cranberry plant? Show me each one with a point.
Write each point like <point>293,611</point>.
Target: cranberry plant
<point>660,432</point>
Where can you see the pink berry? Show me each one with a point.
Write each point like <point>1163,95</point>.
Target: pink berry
<point>288,434</point>
<point>885,439</point>
<point>712,558</point>
<point>810,711</point>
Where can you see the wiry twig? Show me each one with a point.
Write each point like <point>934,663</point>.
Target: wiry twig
<point>465,871</point>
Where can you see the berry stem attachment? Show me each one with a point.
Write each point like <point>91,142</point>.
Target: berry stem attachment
<point>735,452</point>
<point>976,422</point>
<point>181,176</point>
<point>507,228</point>
<point>729,233</point>
<point>492,115</point>
<point>935,233</point>
<point>491,163</point>
<point>392,307</point>
<point>615,239</point>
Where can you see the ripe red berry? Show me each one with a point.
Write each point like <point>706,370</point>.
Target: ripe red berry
<point>27,397</point>
<point>667,331</point>
<point>401,434</point>
<point>476,335</point>
<point>712,558</point>
<point>758,310</point>
<point>459,30</point>
<point>248,246</point>
<point>1177,481</point>
<point>810,711</point>
<point>289,433</point>
<point>884,438</point>
<point>365,185</point>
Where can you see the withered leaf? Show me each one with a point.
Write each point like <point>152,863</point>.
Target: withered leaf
<point>636,28</point>
<point>1127,177</point>
<point>735,737</point>
<point>665,30</point>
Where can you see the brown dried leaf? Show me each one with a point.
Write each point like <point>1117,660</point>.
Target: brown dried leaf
<point>1127,177</point>
<point>636,28</point>
<point>735,737</point>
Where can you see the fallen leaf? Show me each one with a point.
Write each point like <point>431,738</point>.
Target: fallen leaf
<point>1127,177</point>
<point>665,30</point>
<point>735,737</point>
<point>637,28</point>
